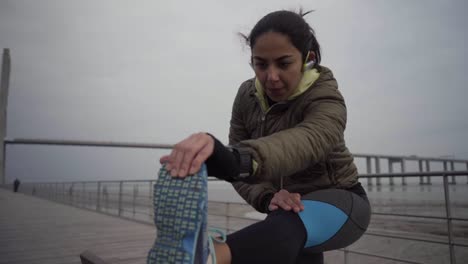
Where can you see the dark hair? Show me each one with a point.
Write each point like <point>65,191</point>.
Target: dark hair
<point>291,24</point>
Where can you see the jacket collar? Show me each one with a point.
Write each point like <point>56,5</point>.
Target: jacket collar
<point>308,78</point>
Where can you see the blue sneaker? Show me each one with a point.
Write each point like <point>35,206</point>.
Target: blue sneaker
<point>180,215</point>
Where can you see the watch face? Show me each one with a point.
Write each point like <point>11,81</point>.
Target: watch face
<point>244,175</point>
<point>245,162</point>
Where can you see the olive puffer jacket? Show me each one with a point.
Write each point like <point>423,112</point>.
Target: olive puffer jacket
<point>298,144</point>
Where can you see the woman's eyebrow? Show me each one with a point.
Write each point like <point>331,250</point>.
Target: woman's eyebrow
<point>277,59</point>
<point>284,57</point>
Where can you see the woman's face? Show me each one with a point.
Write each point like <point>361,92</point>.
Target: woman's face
<point>277,65</point>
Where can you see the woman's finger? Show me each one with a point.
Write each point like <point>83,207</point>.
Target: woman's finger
<point>297,199</point>
<point>172,155</point>
<point>202,155</point>
<point>196,154</point>
<point>272,207</point>
<point>164,159</point>
<point>284,205</point>
<point>175,161</point>
<point>293,204</point>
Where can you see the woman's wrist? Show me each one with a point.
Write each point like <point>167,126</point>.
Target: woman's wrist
<point>223,163</point>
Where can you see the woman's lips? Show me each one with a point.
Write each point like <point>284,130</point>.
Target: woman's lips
<point>276,91</point>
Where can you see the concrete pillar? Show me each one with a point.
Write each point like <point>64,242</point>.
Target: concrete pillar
<point>390,170</point>
<point>377,170</point>
<point>421,169</point>
<point>403,170</point>
<point>4,87</point>
<point>428,169</point>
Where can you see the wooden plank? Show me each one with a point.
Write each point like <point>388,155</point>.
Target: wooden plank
<point>33,230</point>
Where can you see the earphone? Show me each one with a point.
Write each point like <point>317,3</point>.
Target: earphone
<point>308,65</point>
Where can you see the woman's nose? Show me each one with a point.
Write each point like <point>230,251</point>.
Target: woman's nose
<point>272,74</point>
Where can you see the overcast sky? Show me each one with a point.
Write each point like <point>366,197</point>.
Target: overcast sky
<point>156,71</point>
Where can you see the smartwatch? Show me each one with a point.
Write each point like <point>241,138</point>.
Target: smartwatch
<point>245,159</point>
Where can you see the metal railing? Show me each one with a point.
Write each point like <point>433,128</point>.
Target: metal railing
<point>448,218</point>
<point>373,162</point>
<point>133,200</point>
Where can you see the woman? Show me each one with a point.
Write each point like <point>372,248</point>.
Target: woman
<point>287,157</point>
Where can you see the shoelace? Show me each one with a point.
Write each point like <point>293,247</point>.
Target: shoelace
<point>218,236</point>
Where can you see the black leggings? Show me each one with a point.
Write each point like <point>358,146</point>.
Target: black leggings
<point>281,238</point>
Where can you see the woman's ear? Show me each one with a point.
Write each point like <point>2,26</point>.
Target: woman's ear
<point>312,56</point>
<point>309,61</point>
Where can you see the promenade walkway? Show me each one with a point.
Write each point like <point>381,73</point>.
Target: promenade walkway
<point>34,230</point>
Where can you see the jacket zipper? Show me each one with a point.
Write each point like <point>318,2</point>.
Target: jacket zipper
<point>262,127</point>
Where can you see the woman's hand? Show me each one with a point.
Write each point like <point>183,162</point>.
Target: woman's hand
<point>188,155</point>
<point>287,201</point>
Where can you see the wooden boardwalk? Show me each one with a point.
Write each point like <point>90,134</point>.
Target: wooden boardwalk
<point>33,230</point>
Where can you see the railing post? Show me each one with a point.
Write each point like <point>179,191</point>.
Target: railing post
<point>377,170</point>
<point>449,219</point>
<point>90,198</point>
<point>369,170</point>
<point>452,168</point>
<point>57,191</point>
<point>106,198</point>
<point>70,193</point>
<point>83,194</point>
<point>150,195</point>
<point>346,253</point>
<point>120,197</point>
<point>135,193</point>
<point>98,197</point>
<point>446,169</point>
<point>428,169</point>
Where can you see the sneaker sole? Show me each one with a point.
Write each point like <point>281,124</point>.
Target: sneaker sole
<point>177,215</point>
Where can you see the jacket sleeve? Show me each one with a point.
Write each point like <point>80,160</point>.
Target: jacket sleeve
<point>258,195</point>
<point>292,150</point>
<point>237,129</point>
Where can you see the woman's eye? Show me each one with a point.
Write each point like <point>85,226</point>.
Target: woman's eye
<point>284,64</point>
<point>260,65</point>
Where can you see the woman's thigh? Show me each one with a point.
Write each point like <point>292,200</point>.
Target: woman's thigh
<point>334,219</point>
<point>277,239</point>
